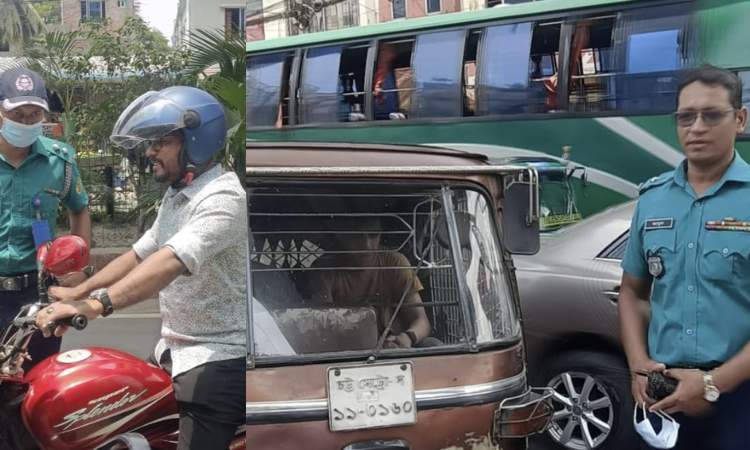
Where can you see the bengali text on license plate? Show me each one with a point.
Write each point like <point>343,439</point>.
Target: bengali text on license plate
<point>371,396</point>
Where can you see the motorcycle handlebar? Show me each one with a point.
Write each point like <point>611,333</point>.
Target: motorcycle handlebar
<point>79,322</point>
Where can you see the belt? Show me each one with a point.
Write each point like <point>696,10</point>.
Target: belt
<point>703,367</point>
<point>18,282</point>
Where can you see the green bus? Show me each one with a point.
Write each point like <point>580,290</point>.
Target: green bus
<point>597,77</point>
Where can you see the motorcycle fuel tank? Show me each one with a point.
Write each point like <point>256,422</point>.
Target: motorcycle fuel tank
<point>80,399</point>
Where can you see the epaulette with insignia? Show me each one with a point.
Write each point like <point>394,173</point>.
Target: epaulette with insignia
<point>63,151</point>
<point>66,153</point>
<point>654,182</point>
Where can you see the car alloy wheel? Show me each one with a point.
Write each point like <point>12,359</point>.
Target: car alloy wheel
<point>583,415</point>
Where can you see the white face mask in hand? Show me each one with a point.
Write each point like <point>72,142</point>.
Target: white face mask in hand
<point>667,437</point>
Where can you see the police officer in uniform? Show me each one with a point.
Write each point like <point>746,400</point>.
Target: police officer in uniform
<point>685,295</point>
<point>36,173</point>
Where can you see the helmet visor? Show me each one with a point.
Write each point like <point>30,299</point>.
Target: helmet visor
<point>150,117</point>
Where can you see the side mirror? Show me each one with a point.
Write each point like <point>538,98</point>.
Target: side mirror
<point>520,213</point>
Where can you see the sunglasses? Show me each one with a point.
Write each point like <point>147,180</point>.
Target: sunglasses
<point>710,117</point>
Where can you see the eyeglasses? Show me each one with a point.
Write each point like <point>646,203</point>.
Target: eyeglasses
<point>156,144</point>
<point>711,117</point>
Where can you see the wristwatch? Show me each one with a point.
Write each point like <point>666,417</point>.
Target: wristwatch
<point>88,270</point>
<point>102,295</point>
<point>710,391</point>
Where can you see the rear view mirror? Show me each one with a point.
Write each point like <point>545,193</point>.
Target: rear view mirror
<point>520,214</point>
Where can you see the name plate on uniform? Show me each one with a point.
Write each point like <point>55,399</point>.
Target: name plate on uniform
<point>659,224</point>
<point>371,396</point>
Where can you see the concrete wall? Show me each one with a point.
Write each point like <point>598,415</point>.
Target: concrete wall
<point>416,8</point>
<point>203,15</point>
<point>368,12</point>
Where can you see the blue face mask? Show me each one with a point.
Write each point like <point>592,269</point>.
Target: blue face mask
<point>20,135</point>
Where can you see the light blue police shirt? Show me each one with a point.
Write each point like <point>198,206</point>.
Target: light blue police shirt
<point>700,306</point>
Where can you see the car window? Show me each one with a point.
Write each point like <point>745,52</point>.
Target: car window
<point>616,249</point>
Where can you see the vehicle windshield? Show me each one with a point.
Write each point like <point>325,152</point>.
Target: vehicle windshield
<point>558,197</point>
<point>331,262</point>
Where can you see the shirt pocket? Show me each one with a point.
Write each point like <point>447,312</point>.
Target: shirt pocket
<point>48,210</point>
<point>661,243</point>
<point>726,255</point>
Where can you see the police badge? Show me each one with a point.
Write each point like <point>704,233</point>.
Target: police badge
<point>24,83</point>
<point>655,266</point>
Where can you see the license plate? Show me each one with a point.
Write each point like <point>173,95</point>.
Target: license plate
<point>371,396</point>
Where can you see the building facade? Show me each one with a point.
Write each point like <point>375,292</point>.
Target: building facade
<point>73,13</point>
<point>333,15</point>
<point>226,15</point>
<point>351,13</point>
<point>76,12</point>
<point>411,9</point>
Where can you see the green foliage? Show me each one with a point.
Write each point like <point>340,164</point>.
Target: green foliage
<point>226,82</point>
<point>97,72</point>
<point>160,42</point>
<point>19,22</point>
<point>50,12</point>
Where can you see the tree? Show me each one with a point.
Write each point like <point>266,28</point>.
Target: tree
<point>19,23</point>
<point>115,67</point>
<point>209,49</point>
<point>159,41</point>
<point>61,60</point>
<point>50,12</point>
<point>97,72</point>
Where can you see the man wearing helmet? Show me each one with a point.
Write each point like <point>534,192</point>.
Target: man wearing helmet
<point>36,173</point>
<point>192,255</point>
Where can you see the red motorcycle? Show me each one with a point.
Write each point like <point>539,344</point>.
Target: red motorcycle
<point>85,399</point>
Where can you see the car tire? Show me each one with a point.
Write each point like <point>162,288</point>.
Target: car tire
<point>605,376</point>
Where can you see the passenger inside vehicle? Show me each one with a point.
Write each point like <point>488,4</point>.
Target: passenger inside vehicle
<point>362,272</point>
<point>331,263</point>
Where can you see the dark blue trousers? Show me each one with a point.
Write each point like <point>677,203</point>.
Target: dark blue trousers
<point>726,428</point>
<point>39,347</point>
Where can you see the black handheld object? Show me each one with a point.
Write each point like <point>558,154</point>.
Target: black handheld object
<point>660,386</point>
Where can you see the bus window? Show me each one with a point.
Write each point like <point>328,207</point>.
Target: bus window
<point>437,75</point>
<point>745,77</point>
<point>545,58</point>
<point>319,90</point>
<point>264,80</point>
<point>284,103</point>
<point>503,70</point>
<point>591,74</point>
<point>332,84</point>
<point>470,73</point>
<point>392,84</point>
<point>651,50</point>
<point>352,77</point>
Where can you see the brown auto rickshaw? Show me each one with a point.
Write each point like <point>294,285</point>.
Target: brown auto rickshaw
<point>383,308</point>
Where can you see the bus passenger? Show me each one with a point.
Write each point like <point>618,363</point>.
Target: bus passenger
<point>384,83</point>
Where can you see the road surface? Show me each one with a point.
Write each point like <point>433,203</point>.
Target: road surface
<point>134,330</point>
